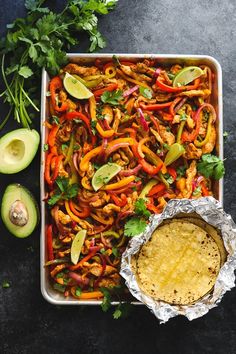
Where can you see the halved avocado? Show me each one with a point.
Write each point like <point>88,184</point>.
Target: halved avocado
<point>19,210</point>
<point>17,150</point>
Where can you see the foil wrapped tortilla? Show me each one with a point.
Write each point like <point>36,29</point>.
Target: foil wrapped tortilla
<point>210,210</point>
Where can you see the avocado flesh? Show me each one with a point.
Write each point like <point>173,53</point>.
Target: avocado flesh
<point>17,150</point>
<point>13,193</point>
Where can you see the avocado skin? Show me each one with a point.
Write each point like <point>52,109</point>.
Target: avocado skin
<point>34,205</point>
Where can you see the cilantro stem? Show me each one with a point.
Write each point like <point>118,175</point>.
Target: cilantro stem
<point>28,98</point>
<point>6,118</point>
<point>5,80</point>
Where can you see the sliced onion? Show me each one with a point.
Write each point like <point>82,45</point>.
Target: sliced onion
<point>200,179</point>
<point>102,155</point>
<point>130,91</point>
<point>115,147</point>
<point>130,172</point>
<point>157,73</point>
<point>76,158</point>
<point>143,120</point>
<point>180,104</point>
<point>78,278</point>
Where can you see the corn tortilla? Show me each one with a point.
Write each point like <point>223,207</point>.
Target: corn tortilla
<point>179,264</point>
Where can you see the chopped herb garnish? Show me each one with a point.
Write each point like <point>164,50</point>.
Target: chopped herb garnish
<point>183,116</point>
<point>56,120</point>
<point>93,126</point>
<point>181,171</point>
<point>78,291</point>
<point>145,92</point>
<point>169,179</point>
<point>63,191</point>
<point>141,209</point>
<point>45,147</point>
<point>5,284</point>
<point>115,251</point>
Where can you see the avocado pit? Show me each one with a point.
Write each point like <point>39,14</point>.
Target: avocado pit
<point>18,214</point>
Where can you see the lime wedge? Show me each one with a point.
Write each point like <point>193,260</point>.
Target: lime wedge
<point>76,246</point>
<point>176,150</point>
<point>104,174</point>
<point>76,88</point>
<point>187,75</point>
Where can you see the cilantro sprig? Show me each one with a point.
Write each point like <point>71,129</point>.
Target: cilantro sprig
<point>41,39</point>
<point>211,166</point>
<point>63,191</point>
<point>112,97</point>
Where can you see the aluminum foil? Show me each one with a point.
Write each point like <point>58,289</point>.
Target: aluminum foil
<point>210,210</point>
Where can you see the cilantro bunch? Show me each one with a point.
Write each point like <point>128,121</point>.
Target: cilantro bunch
<point>39,40</point>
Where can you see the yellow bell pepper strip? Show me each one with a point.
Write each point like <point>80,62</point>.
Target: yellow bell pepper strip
<point>145,191</point>
<point>123,182</point>
<point>180,131</point>
<point>140,146</point>
<point>92,109</point>
<point>84,163</point>
<point>70,150</point>
<point>136,82</point>
<point>211,120</point>
<point>86,184</point>
<point>110,71</point>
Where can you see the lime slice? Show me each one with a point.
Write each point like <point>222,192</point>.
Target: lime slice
<point>176,150</point>
<point>104,174</point>
<point>187,75</point>
<point>76,88</point>
<point>76,246</point>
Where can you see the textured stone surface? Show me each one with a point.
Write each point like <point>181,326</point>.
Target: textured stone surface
<point>30,325</point>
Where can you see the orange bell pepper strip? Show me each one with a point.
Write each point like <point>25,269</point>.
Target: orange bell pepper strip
<point>156,189</point>
<point>149,169</point>
<point>110,88</point>
<point>70,213</point>
<point>123,182</point>
<point>86,295</point>
<point>84,163</point>
<point>155,107</point>
<point>77,211</point>
<point>56,85</point>
<point>103,221</point>
<point>168,88</point>
<point>47,172</point>
<point>49,243</point>
<point>52,138</point>
<point>85,259</point>
<point>92,110</point>
<point>173,104</point>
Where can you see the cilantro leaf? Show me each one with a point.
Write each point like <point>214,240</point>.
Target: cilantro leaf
<point>117,313</point>
<point>5,284</point>
<point>122,310</point>
<point>181,171</point>
<point>112,98</point>
<point>141,209</point>
<point>211,166</point>
<point>145,92</point>
<point>134,226</point>
<point>64,191</point>
<point>25,71</point>
<point>106,302</point>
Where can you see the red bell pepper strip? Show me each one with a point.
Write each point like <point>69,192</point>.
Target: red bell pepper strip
<point>155,107</point>
<point>172,172</point>
<point>121,202</point>
<point>205,191</point>
<point>52,139</point>
<point>55,86</point>
<point>168,88</point>
<point>174,104</point>
<point>186,136</point>
<point>81,214</point>
<point>79,115</point>
<point>156,189</point>
<point>49,243</point>
<point>110,88</point>
<point>149,169</point>
<point>57,165</point>
<point>47,174</point>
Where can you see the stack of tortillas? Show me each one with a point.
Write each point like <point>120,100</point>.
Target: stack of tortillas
<point>180,262</point>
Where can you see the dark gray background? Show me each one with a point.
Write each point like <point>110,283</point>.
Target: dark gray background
<point>30,325</point>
